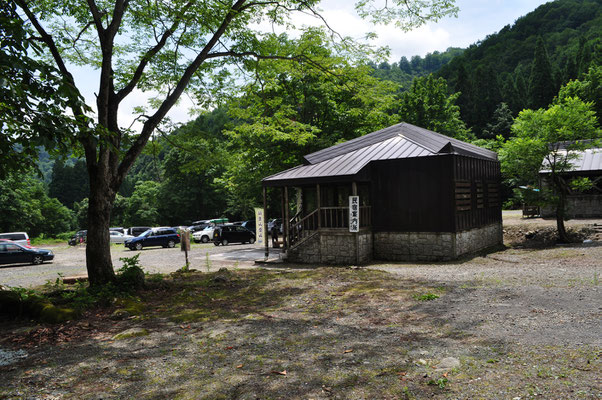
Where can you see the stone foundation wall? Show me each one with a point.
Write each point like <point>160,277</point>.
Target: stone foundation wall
<point>479,239</point>
<point>435,246</point>
<point>413,246</point>
<point>341,247</point>
<point>581,206</point>
<point>334,247</point>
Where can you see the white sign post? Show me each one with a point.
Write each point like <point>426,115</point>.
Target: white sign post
<point>259,227</point>
<point>354,213</point>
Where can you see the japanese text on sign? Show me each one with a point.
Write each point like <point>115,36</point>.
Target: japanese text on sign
<point>259,227</point>
<point>354,213</point>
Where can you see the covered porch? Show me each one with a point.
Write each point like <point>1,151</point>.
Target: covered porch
<point>308,209</point>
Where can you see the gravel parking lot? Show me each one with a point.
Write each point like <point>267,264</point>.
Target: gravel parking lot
<point>71,260</point>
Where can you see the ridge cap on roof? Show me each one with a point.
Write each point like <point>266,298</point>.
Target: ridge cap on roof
<point>354,144</point>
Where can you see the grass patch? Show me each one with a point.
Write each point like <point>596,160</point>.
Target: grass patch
<point>426,297</point>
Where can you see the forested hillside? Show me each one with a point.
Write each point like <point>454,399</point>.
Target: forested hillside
<point>404,71</point>
<point>547,47</point>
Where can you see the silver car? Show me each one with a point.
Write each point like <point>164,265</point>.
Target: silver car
<point>118,237</point>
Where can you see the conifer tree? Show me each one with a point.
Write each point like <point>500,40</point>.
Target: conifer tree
<point>464,88</point>
<point>541,86</point>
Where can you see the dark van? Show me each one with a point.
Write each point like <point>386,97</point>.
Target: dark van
<point>232,234</point>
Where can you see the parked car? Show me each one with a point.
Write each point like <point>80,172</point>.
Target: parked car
<point>79,237</point>
<point>18,237</point>
<point>166,237</point>
<point>204,235</point>
<point>199,225</point>
<point>10,241</point>
<point>12,253</point>
<point>232,234</point>
<point>137,230</point>
<point>118,237</point>
<point>120,230</point>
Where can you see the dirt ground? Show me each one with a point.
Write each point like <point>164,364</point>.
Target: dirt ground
<point>522,323</point>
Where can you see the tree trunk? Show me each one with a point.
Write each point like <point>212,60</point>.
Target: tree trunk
<point>98,247</point>
<point>562,235</point>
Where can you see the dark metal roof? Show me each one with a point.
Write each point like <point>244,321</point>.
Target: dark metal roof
<point>395,142</point>
<point>584,161</point>
<point>429,140</point>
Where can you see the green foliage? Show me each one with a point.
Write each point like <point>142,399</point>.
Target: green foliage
<point>426,297</point>
<point>542,87</point>
<point>588,88</point>
<point>581,184</point>
<point>500,124</point>
<point>70,183</point>
<point>130,275</point>
<point>142,207</point>
<point>554,135</point>
<point>441,383</point>
<point>427,104</point>
<point>405,71</point>
<point>26,207</point>
<point>571,30</point>
<point>535,131</point>
<point>32,97</point>
<point>288,112</point>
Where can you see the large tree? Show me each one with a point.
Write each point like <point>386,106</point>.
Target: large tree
<point>550,139</point>
<point>167,47</point>
<point>428,104</point>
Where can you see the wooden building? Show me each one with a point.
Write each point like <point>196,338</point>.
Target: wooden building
<point>586,164</point>
<point>422,196</point>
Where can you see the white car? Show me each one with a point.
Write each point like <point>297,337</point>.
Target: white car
<point>203,236</point>
<point>118,237</point>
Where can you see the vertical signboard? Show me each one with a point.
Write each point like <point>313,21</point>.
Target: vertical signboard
<point>259,227</point>
<point>354,213</point>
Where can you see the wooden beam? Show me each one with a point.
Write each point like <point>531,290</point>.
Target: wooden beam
<point>318,203</point>
<point>284,224</point>
<point>285,221</point>
<point>265,222</point>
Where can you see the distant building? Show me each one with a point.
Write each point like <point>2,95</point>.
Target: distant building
<point>422,196</point>
<point>587,163</point>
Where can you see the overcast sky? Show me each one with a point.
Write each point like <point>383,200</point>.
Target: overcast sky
<point>476,19</point>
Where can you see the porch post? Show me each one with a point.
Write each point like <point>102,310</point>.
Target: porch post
<point>285,221</point>
<point>265,223</point>
<point>283,206</point>
<point>318,202</point>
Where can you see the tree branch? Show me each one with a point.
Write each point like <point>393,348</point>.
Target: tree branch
<point>127,89</point>
<point>171,99</point>
<point>97,18</point>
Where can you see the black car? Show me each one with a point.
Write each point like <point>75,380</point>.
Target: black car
<point>232,234</point>
<point>11,253</point>
<point>166,237</point>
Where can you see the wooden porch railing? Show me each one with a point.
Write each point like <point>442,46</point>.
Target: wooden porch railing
<point>330,217</point>
<point>301,227</point>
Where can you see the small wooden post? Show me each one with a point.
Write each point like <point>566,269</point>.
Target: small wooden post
<point>285,221</point>
<point>265,223</point>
